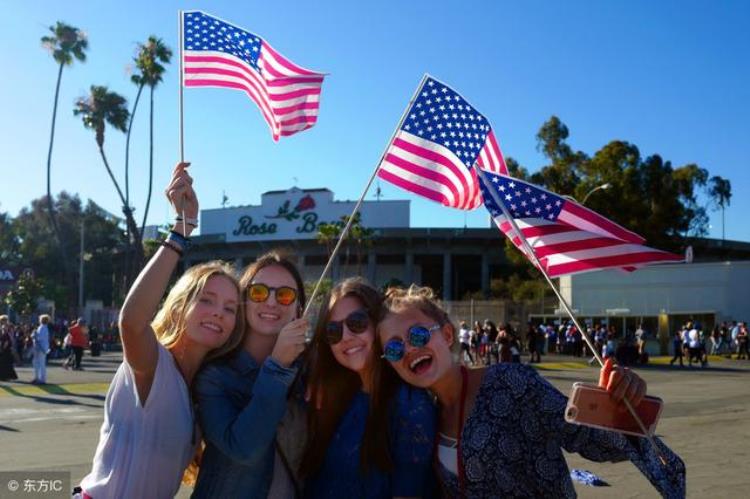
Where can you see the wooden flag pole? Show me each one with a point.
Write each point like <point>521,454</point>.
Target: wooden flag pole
<point>345,232</point>
<point>534,260</point>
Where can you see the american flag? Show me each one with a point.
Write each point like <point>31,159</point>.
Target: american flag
<point>439,140</point>
<point>219,54</point>
<point>566,237</point>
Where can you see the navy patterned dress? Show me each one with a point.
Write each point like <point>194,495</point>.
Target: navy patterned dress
<point>513,439</point>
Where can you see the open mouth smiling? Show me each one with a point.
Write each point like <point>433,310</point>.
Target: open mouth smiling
<point>420,363</point>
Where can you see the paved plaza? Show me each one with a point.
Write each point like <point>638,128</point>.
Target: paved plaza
<point>705,420</point>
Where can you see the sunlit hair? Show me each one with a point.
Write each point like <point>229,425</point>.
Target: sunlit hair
<point>335,385</point>
<point>422,298</point>
<point>43,319</point>
<point>170,320</point>
<point>3,319</point>
<point>281,259</point>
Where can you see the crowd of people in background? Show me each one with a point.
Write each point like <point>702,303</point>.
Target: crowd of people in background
<point>486,344</point>
<point>35,340</point>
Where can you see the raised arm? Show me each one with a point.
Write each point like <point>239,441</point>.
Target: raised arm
<point>138,339</point>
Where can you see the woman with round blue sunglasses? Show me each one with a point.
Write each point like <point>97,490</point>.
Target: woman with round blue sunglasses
<point>502,429</point>
<point>370,435</point>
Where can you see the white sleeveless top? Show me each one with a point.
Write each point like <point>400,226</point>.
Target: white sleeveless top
<point>143,450</point>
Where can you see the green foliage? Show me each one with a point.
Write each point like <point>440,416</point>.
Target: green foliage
<point>66,43</point>
<point>35,248</point>
<point>101,107</point>
<point>149,60</point>
<point>519,288</point>
<point>24,296</point>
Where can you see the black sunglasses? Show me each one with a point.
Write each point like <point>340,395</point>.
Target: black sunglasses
<point>357,322</point>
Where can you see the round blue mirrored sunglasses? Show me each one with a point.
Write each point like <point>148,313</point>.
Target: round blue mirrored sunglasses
<point>418,336</point>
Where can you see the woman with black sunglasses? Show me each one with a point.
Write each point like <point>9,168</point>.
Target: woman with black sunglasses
<point>502,428</point>
<point>252,425</point>
<point>370,436</point>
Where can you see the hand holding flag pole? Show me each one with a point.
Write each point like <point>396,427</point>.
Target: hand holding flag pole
<point>531,254</point>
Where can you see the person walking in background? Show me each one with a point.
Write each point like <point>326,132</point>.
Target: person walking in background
<point>464,336</point>
<point>677,346</point>
<point>7,373</point>
<point>40,339</point>
<point>742,341</point>
<point>78,341</point>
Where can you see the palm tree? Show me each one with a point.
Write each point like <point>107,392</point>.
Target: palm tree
<point>721,192</point>
<point>151,56</point>
<point>96,110</point>
<point>66,44</point>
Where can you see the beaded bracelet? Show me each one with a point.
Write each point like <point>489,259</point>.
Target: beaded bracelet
<point>180,240</point>
<point>174,248</point>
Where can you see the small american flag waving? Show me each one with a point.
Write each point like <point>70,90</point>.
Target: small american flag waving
<point>440,139</point>
<point>218,54</point>
<point>566,237</point>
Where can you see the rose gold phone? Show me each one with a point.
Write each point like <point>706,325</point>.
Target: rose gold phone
<point>591,405</point>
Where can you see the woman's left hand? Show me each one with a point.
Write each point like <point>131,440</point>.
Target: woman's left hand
<point>622,383</point>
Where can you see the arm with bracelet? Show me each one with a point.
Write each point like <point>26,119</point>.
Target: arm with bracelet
<point>138,339</point>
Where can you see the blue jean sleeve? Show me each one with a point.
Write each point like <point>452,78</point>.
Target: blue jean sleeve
<point>601,445</point>
<point>243,433</point>
<point>414,427</point>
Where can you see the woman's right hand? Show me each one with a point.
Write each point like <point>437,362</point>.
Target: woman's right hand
<point>180,193</point>
<point>291,342</point>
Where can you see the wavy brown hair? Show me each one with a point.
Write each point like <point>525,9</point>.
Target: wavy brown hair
<point>335,386</point>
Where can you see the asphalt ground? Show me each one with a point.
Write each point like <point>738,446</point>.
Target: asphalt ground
<point>706,420</point>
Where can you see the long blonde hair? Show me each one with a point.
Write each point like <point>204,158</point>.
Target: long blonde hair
<point>169,323</point>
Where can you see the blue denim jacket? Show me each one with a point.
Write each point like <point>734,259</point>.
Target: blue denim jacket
<point>240,405</point>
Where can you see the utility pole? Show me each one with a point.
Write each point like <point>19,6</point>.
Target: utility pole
<point>80,269</point>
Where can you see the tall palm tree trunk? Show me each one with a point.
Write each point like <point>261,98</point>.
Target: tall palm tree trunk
<point>50,204</point>
<point>135,251</point>
<point>150,163</point>
<point>127,146</point>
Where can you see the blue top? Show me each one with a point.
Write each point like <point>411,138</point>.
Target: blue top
<point>412,428</point>
<point>240,405</point>
<point>513,439</point>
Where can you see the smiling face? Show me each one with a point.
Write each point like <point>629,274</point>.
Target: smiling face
<point>213,316</point>
<point>420,366</point>
<point>268,317</point>
<point>354,350</point>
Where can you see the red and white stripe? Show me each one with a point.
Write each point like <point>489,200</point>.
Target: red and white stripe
<point>431,170</point>
<point>287,95</point>
<point>563,249</point>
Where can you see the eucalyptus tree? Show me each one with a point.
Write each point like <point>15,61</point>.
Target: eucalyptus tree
<point>66,44</point>
<point>720,191</point>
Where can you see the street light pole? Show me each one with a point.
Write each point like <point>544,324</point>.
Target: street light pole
<point>602,187</point>
<point>80,271</point>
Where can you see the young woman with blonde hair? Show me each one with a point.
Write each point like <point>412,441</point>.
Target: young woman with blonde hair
<point>149,430</point>
<point>502,428</point>
<point>371,436</point>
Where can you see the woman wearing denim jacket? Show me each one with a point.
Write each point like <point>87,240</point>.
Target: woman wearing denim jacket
<point>243,398</point>
<point>370,435</point>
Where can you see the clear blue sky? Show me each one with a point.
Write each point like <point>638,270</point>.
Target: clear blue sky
<point>671,77</point>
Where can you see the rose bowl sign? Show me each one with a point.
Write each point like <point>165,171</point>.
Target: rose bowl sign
<point>296,214</point>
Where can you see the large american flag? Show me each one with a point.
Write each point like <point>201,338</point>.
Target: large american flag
<point>566,237</point>
<point>440,139</point>
<point>219,54</point>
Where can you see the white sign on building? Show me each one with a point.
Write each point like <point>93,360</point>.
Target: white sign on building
<point>296,214</point>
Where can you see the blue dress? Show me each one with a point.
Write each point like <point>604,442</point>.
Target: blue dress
<point>412,423</point>
<point>513,439</point>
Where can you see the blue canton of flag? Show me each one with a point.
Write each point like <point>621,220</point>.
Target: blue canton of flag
<point>203,32</point>
<point>440,115</point>
<point>522,200</point>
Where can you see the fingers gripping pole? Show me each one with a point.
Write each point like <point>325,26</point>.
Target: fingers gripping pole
<point>532,256</point>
